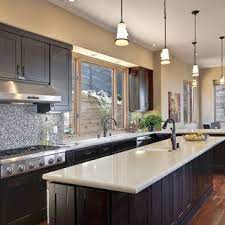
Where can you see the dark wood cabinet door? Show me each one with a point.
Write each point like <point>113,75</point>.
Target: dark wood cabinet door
<point>140,89</point>
<point>218,156</point>
<point>10,55</point>
<point>156,217</point>
<point>92,207</point>
<point>167,200</point>
<point>120,208</point>
<point>19,198</point>
<point>139,208</point>
<point>61,76</point>
<point>195,174</point>
<point>178,197</point>
<point>35,61</point>
<point>61,204</point>
<point>187,187</point>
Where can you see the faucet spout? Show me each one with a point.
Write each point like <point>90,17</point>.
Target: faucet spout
<point>173,135</point>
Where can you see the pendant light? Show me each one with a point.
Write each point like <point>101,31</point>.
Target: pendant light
<point>194,82</point>
<point>222,78</point>
<point>195,69</point>
<point>122,34</point>
<point>165,56</point>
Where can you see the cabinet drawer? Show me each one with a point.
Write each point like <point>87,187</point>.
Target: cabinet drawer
<point>124,145</point>
<point>84,155</point>
<point>104,150</point>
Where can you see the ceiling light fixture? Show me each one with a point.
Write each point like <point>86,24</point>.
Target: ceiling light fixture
<point>222,78</point>
<point>122,34</point>
<point>194,82</point>
<point>71,0</point>
<point>195,69</point>
<point>165,56</point>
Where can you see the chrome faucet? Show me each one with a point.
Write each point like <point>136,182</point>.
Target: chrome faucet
<point>173,135</point>
<point>105,129</point>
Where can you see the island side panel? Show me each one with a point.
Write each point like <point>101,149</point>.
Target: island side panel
<point>61,204</point>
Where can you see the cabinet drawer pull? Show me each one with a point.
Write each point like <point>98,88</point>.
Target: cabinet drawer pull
<point>88,153</point>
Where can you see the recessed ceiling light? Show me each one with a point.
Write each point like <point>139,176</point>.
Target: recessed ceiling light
<point>154,45</point>
<point>71,0</point>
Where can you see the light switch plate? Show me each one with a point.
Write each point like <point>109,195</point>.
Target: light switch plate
<point>55,129</point>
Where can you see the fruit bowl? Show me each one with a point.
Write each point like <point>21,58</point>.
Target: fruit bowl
<point>195,137</point>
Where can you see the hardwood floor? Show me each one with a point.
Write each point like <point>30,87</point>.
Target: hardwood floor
<point>212,211</point>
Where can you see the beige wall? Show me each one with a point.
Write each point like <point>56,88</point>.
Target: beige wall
<point>42,17</point>
<point>207,93</point>
<point>169,78</point>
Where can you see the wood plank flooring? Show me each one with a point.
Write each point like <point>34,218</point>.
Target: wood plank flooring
<point>212,211</point>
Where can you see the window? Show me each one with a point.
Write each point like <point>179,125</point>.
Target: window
<point>96,97</point>
<point>188,102</point>
<point>119,99</point>
<point>219,102</point>
<point>99,93</point>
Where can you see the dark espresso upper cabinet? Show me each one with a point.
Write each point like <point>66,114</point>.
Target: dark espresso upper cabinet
<point>61,76</point>
<point>10,55</point>
<point>28,57</point>
<point>35,61</point>
<point>140,89</point>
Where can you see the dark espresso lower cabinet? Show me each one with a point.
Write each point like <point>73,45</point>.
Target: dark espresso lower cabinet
<point>170,201</point>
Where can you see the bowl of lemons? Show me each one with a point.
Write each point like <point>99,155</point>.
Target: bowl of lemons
<point>198,136</point>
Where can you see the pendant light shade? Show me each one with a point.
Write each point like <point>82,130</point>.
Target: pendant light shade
<point>195,69</point>
<point>122,34</point>
<point>165,56</point>
<point>222,78</point>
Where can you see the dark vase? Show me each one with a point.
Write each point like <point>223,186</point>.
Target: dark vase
<point>152,128</point>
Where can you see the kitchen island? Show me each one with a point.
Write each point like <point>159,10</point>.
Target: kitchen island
<point>149,185</point>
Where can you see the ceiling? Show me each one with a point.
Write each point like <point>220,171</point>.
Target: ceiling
<point>144,19</point>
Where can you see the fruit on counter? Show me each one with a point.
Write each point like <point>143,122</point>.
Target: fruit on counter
<point>195,137</point>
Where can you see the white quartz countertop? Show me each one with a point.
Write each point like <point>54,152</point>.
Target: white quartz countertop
<point>134,170</point>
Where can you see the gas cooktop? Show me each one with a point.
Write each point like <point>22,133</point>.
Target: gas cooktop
<point>26,150</point>
<point>23,160</point>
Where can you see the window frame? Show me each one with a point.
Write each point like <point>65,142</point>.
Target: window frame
<point>78,59</point>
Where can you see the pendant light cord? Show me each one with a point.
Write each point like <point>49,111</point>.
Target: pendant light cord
<point>121,11</point>
<point>222,75</point>
<point>195,35</point>
<point>165,25</point>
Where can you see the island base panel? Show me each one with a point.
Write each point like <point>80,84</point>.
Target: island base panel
<point>172,200</point>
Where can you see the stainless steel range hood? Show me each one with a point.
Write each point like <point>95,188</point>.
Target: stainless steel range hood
<point>11,91</point>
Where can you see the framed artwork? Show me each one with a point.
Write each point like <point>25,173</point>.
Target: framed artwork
<point>174,106</point>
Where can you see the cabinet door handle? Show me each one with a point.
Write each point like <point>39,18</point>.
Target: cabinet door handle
<point>18,70</point>
<point>23,71</point>
<point>21,77</point>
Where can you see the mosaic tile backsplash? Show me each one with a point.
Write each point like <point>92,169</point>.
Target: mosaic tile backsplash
<point>21,125</point>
